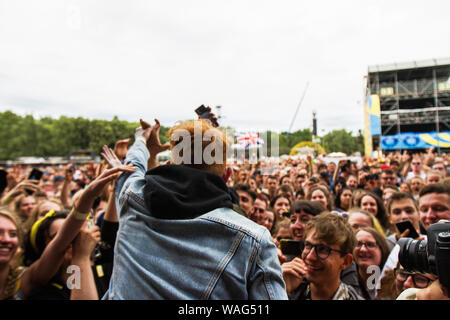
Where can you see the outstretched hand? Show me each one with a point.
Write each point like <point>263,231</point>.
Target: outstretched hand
<point>95,188</point>
<point>111,157</point>
<point>154,144</point>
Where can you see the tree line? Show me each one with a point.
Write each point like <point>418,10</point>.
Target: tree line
<point>22,136</point>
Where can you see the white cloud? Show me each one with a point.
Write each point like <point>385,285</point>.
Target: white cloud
<point>151,59</point>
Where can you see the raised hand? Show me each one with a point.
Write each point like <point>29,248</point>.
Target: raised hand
<point>153,143</point>
<point>85,241</point>
<point>22,187</point>
<point>293,273</point>
<point>111,157</point>
<point>86,200</point>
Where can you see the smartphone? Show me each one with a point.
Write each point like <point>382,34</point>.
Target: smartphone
<point>403,225</point>
<point>292,247</point>
<point>3,181</point>
<point>204,113</point>
<point>35,174</point>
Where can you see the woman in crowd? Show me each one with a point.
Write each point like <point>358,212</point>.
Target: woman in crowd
<point>269,220</point>
<point>343,199</point>
<point>52,246</point>
<point>10,241</point>
<point>359,218</point>
<point>370,253</point>
<point>322,195</point>
<point>281,204</point>
<point>375,206</point>
<point>405,188</point>
<point>24,206</point>
<point>41,209</point>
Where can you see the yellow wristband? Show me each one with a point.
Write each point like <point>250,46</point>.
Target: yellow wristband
<point>78,215</point>
<point>7,199</point>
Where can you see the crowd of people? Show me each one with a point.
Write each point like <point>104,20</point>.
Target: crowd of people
<point>130,227</point>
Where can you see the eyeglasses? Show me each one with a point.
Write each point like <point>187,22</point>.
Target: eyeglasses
<point>419,280</point>
<point>322,251</point>
<point>369,245</point>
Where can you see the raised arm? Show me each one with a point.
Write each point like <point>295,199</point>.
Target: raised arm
<point>45,268</point>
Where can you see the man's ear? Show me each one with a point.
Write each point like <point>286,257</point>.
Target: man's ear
<point>348,259</point>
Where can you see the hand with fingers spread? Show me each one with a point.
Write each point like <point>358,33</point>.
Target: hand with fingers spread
<point>111,157</point>
<point>86,200</point>
<point>293,273</point>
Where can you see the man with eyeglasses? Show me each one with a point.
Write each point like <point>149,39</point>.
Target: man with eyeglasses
<point>405,280</point>
<point>329,243</point>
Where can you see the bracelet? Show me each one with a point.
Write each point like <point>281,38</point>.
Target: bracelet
<point>78,215</point>
<point>7,199</point>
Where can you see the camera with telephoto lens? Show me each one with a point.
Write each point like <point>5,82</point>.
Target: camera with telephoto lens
<point>431,255</point>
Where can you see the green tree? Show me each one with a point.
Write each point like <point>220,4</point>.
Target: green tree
<point>341,141</point>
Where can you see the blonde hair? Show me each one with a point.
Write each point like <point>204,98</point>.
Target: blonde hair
<point>5,213</point>
<point>189,129</point>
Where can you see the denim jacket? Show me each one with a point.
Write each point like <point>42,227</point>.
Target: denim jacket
<point>216,255</point>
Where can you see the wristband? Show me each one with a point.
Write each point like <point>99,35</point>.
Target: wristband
<point>7,199</point>
<point>78,215</point>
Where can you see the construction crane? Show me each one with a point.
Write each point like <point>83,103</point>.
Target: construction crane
<point>298,107</point>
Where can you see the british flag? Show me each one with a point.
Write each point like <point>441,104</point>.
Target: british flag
<point>248,139</point>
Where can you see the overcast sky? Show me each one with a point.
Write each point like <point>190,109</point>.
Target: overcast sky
<point>148,59</point>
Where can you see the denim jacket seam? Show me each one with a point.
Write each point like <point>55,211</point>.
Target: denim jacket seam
<point>265,274</point>
<point>255,236</point>
<point>136,198</point>
<point>221,267</point>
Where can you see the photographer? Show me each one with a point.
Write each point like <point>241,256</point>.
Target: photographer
<point>431,255</point>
